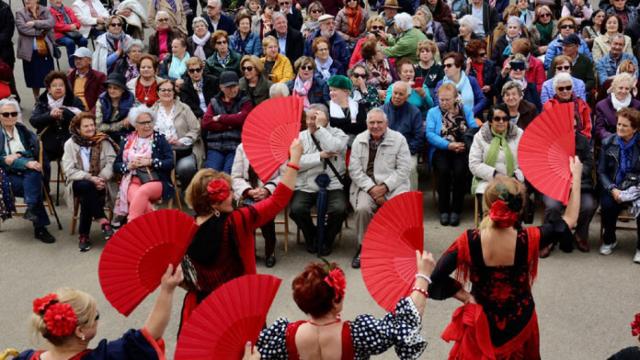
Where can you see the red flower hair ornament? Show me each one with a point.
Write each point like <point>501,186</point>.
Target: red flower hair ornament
<point>505,211</point>
<point>337,282</point>
<point>635,325</point>
<point>60,318</point>
<point>218,190</point>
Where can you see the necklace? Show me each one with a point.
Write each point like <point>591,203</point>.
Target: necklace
<point>146,90</point>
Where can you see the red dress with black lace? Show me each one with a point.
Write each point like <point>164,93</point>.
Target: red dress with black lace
<point>503,323</point>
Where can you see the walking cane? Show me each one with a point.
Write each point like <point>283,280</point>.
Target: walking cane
<point>44,188</point>
<point>322,181</point>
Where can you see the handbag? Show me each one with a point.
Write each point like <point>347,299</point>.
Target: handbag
<point>147,174</point>
<point>630,179</point>
<point>41,45</point>
<point>74,34</point>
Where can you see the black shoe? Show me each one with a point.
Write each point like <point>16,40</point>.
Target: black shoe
<point>43,235</point>
<point>311,247</point>
<point>270,261</point>
<point>326,250</point>
<point>355,263</point>
<point>29,215</point>
<point>107,231</point>
<point>84,243</point>
<point>454,219</point>
<point>545,252</point>
<point>444,219</point>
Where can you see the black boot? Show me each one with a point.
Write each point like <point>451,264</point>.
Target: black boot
<point>43,235</point>
<point>355,263</point>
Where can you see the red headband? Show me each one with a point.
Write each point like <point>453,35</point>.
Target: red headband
<point>218,190</point>
<point>337,282</point>
<point>59,318</point>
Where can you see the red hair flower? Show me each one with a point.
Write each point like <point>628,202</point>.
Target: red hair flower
<point>40,305</point>
<point>60,319</point>
<point>338,283</point>
<point>635,325</point>
<point>218,190</point>
<point>502,215</point>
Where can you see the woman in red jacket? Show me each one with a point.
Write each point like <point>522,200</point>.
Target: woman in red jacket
<point>66,28</point>
<point>563,85</point>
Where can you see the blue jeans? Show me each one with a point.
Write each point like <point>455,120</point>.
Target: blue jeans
<point>70,44</point>
<point>219,161</point>
<point>29,186</point>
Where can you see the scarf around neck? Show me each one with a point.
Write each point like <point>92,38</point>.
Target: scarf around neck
<point>67,19</point>
<point>617,104</point>
<point>200,43</point>
<point>354,20</point>
<point>626,157</point>
<point>178,67</point>
<point>95,144</point>
<point>301,88</point>
<point>115,41</point>
<point>464,89</point>
<point>499,141</point>
<point>324,68</point>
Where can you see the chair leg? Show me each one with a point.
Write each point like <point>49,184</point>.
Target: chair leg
<point>52,209</point>
<point>286,230</point>
<point>74,217</point>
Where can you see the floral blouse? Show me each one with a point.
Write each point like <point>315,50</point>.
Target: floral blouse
<point>369,336</point>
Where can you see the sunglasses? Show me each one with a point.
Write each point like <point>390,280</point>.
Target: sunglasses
<point>306,67</point>
<point>316,11</point>
<point>565,88</point>
<point>500,119</point>
<point>117,24</point>
<point>247,68</point>
<point>361,76</point>
<point>284,3</point>
<point>9,114</point>
<point>563,68</point>
<point>196,70</point>
<point>567,26</point>
<point>448,65</point>
<point>482,54</point>
<point>376,28</point>
<point>163,19</point>
<point>221,42</point>
<point>544,15</point>
<point>516,66</point>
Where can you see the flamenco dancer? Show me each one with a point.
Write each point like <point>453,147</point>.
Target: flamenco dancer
<point>68,320</point>
<point>319,291</point>
<point>223,247</point>
<point>500,259</point>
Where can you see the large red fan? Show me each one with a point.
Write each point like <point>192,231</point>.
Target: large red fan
<point>268,132</point>
<point>544,151</point>
<point>135,258</point>
<point>233,314</point>
<point>389,249</point>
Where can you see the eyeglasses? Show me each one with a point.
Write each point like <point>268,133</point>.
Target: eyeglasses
<point>97,316</point>
<point>565,88</point>
<point>322,49</point>
<point>448,65</point>
<point>316,11</point>
<point>544,15</point>
<point>500,118</point>
<point>284,3</point>
<point>9,114</point>
<point>563,68</point>
<point>163,19</point>
<point>221,42</point>
<point>376,28</point>
<point>165,90</point>
<point>306,67</point>
<point>117,24</point>
<point>247,68</point>
<point>145,123</point>
<point>361,76</point>
<point>567,26</point>
<point>196,70</point>
<point>483,54</point>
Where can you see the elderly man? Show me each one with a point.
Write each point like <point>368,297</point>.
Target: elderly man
<point>379,170</point>
<point>322,164</point>
<point>406,119</point>
<point>290,41</point>
<point>216,20</point>
<point>566,26</point>
<point>608,65</point>
<point>294,16</point>
<point>340,54</point>
<point>87,84</point>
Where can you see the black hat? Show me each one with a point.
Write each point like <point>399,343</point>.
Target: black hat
<point>228,78</point>
<point>571,39</point>
<point>116,79</point>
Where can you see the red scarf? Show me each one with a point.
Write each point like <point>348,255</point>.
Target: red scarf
<point>354,19</point>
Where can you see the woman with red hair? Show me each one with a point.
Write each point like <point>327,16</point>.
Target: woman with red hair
<point>319,291</point>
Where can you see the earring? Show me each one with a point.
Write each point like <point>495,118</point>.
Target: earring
<point>82,337</point>
<point>216,213</point>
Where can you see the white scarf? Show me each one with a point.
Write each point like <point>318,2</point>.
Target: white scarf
<point>200,42</point>
<point>464,89</point>
<point>58,104</point>
<point>323,68</point>
<point>617,104</point>
<point>335,111</point>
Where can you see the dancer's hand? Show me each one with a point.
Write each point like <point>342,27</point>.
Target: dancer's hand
<point>575,165</point>
<point>295,151</point>
<point>250,352</point>
<point>171,278</point>
<point>425,262</point>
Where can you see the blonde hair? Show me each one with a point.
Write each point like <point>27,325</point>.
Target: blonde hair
<point>269,40</point>
<point>492,193</point>
<point>254,60</point>
<point>84,306</point>
<point>197,196</point>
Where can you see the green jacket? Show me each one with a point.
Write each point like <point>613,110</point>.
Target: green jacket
<point>31,146</point>
<point>406,45</point>
<point>213,67</point>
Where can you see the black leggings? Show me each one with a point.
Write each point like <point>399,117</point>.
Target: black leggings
<point>91,204</point>
<point>453,173</point>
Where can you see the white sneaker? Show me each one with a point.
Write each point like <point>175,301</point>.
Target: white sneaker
<point>636,258</point>
<point>607,249</point>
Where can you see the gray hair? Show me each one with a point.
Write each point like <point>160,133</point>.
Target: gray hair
<point>561,76</point>
<point>511,85</point>
<point>514,20</point>
<point>133,43</point>
<point>403,21</point>
<point>377,110</point>
<point>402,84</point>
<point>198,19</point>
<point>136,111</point>
<point>622,78</point>
<point>277,15</point>
<point>468,21</point>
<point>12,101</point>
<point>320,107</point>
<point>428,16</point>
<point>616,36</point>
<point>214,2</point>
<point>278,89</point>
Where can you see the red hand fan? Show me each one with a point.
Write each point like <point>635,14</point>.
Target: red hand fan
<point>135,258</point>
<point>233,314</point>
<point>389,249</point>
<point>268,131</point>
<point>544,151</point>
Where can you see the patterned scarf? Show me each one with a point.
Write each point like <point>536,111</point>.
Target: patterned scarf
<point>131,151</point>
<point>301,88</point>
<point>453,126</point>
<point>95,143</point>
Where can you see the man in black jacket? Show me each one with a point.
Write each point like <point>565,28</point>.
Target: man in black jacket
<point>294,16</point>
<point>197,84</point>
<point>292,38</point>
<point>216,20</point>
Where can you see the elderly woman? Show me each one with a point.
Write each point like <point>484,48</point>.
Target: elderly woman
<point>351,21</point>
<point>308,84</point>
<point>113,108</point>
<point>129,63</point>
<point>110,46</point>
<point>594,29</point>
<point>52,114</point>
<point>429,69</point>
<point>66,28</point>
<point>543,24</point>
<point>521,112</point>
<point>406,44</point>
<point>243,41</point>
<point>263,23</point>
<point>175,12</point>
<point>494,151</point>
<point>145,161</point>
<point>612,25</point>
<point>563,85</point>
<point>468,88</point>
<point>71,334</point>
<point>135,16</point>
<point>223,248</point>
<point>223,58</point>
<point>502,47</point>
<point>88,167</point>
<point>180,127</point>
<point>199,43</point>
<point>480,67</point>
<point>363,93</point>
<point>375,27</point>
<point>19,160</point>
<point>311,24</point>
<point>35,26</point>
<point>324,64</point>
<point>174,66</point>
<point>253,83</point>
<point>319,291</point>
<point>535,70</point>
<point>625,66</point>
<point>144,87</point>
<point>223,122</point>
<point>198,89</point>
<point>466,34</point>
<point>433,29</point>
<point>515,70</point>
<point>92,16</point>
<point>381,73</point>
<point>277,67</point>
<point>420,97</point>
<point>620,97</point>
<point>446,126</point>
<point>346,113</point>
<point>562,64</point>
<point>160,41</point>
<point>617,169</point>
